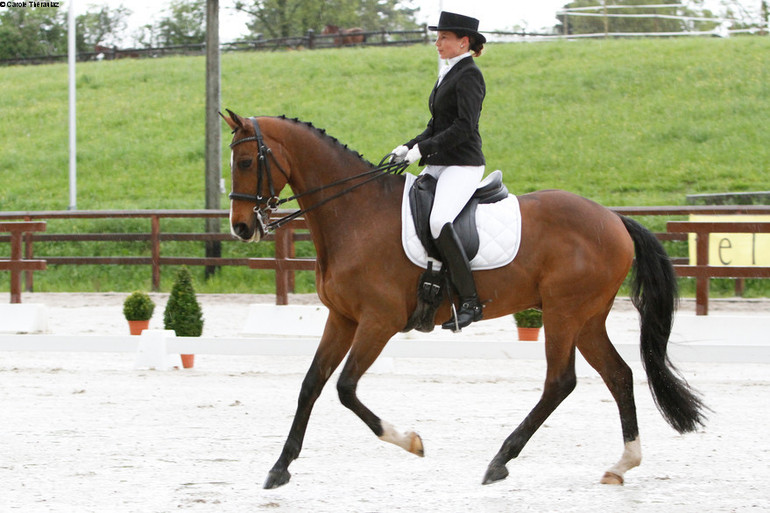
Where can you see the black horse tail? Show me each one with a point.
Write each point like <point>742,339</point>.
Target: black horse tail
<point>654,293</point>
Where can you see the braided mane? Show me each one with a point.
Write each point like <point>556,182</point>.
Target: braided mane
<point>321,132</point>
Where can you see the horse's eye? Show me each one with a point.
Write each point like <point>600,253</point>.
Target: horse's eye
<point>245,164</point>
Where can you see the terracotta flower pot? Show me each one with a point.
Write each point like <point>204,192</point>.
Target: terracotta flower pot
<point>528,334</point>
<point>136,327</point>
<point>188,360</point>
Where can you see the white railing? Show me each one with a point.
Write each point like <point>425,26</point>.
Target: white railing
<point>723,29</point>
<point>295,330</point>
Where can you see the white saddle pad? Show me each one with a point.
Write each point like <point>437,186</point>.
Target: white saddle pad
<point>499,226</point>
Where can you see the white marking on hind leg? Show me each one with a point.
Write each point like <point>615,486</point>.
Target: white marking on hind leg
<point>410,442</point>
<point>632,457</point>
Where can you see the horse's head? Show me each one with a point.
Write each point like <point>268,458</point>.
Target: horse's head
<point>257,178</point>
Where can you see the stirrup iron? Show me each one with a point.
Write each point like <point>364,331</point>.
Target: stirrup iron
<point>456,328</point>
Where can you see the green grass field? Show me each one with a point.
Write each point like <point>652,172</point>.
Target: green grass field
<point>623,122</point>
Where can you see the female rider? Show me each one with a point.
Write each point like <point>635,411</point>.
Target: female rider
<point>450,147</point>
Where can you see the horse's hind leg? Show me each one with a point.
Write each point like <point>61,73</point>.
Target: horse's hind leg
<point>596,348</point>
<point>559,383</point>
<point>335,342</point>
<point>367,346</point>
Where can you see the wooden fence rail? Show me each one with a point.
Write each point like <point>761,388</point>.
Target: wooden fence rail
<point>16,264</point>
<point>702,271</point>
<point>284,263</point>
<point>309,40</point>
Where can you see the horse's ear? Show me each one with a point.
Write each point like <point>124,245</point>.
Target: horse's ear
<point>234,121</point>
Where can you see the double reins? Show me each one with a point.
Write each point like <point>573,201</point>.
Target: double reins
<point>265,205</point>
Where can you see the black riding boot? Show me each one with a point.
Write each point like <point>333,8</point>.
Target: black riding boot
<point>453,256</point>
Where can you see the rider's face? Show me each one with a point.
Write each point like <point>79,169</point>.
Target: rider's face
<point>449,45</point>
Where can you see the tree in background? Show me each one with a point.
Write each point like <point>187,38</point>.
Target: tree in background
<point>32,32</point>
<point>185,23</point>
<point>744,16</point>
<point>286,18</point>
<point>101,25</point>
<point>388,15</point>
<point>146,36</point>
<point>40,31</point>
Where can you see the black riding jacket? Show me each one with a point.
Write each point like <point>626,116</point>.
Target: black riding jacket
<point>452,137</point>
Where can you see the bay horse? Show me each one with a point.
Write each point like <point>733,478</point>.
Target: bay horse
<point>574,256</point>
<point>346,37</point>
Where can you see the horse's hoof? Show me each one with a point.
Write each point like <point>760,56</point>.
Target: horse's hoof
<point>276,478</point>
<point>495,473</point>
<point>612,478</point>
<point>416,447</point>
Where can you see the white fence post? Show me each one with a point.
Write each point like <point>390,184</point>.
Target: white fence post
<point>151,353</point>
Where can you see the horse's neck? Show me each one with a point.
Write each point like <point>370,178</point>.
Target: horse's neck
<point>335,225</point>
<point>342,221</point>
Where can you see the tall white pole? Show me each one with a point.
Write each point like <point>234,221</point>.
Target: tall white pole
<point>71,54</point>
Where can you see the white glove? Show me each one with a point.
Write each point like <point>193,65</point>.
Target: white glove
<point>413,155</point>
<point>399,153</point>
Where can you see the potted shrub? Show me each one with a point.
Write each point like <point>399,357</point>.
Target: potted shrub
<point>528,324</point>
<point>183,312</point>
<point>138,309</point>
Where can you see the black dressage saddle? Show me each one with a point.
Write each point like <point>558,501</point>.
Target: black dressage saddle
<point>433,286</point>
<point>421,195</point>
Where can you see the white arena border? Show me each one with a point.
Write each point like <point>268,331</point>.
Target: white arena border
<point>294,330</point>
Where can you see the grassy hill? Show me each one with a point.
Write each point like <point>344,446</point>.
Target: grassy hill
<point>624,122</point>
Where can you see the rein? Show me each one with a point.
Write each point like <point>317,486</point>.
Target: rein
<point>272,202</point>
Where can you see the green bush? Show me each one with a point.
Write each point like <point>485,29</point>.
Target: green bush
<point>531,318</point>
<point>138,307</point>
<point>183,312</point>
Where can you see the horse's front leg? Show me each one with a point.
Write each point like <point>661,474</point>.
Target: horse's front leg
<point>367,346</point>
<point>335,342</point>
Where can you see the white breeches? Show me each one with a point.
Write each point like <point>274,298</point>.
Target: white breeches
<point>455,186</point>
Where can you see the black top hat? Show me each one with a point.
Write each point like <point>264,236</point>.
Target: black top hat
<point>460,25</point>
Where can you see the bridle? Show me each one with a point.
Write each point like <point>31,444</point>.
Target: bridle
<point>264,205</point>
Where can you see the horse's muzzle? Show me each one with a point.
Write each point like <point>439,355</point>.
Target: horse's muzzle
<point>251,232</point>
<point>245,232</point>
